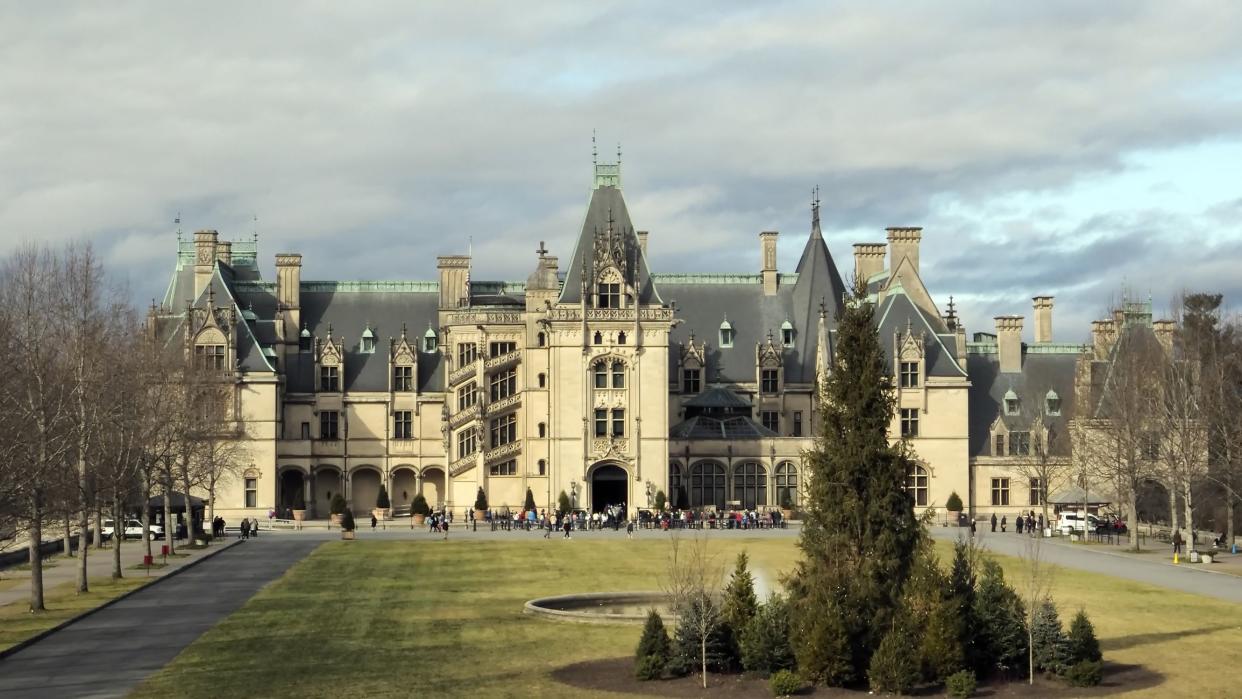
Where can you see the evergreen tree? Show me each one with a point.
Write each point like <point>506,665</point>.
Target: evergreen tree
<point>961,600</point>
<point>660,500</point>
<point>530,501</point>
<point>381,500</point>
<point>420,506</point>
<point>562,503</point>
<point>1051,649</point>
<point>1081,642</point>
<point>740,603</point>
<point>859,533</point>
<point>687,649</point>
<point>765,640</point>
<point>1001,639</point>
<point>480,500</point>
<point>653,648</point>
<point>347,520</point>
<point>954,503</point>
<point>895,664</point>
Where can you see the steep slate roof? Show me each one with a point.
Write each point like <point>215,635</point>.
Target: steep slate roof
<point>606,201</point>
<point>704,427</point>
<point>898,312</point>
<point>1040,372</point>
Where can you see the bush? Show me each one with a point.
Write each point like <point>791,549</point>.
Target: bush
<point>661,500</point>
<point>895,666</point>
<point>784,683</point>
<point>347,520</point>
<point>1081,643</point>
<point>1002,640</point>
<point>480,500</point>
<point>648,667</point>
<point>562,503</point>
<point>337,506</point>
<point>654,649</point>
<point>740,603</point>
<point>419,506</point>
<point>954,503</point>
<point>1048,640</point>
<point>961,684</point>
<point>530,501</point>
<point>786,501</point>
<point>1085,673</point>
<point>299,500</point>
<point>765,640</point>
<point>381,501</point>
<point>693,617</point>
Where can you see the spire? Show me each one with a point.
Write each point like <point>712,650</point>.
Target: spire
<point>815,229</point>
<point>822,365</point>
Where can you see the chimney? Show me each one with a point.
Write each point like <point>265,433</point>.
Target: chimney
<point>904,242</point>
<point>224,252</point>
<point>642,242</point>
<point>868,260</point>
<point>1103,332</point>
<point>767,251</point>
<point>1043,318</point>
<point>1009,343</point>
<point>454,280</point>
<point>204,259</point>
<point>1164,333</point>
<point>289,294</point>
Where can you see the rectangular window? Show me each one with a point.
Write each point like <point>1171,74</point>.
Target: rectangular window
<point>609,295</point>
<point>1000,491</point>
<point>770,419</point>
<point>1019,443</point>
<point>1037,492</point>
<point>402,424</point>
<point>1149,445</point>
<point>909,374</point>
<point>504,384</point>
<point>690,379</point>
<point>328,421</point>
<point>601,422</point>
<point>543,467</point>
<point>618,375</point>
<point>403,378</point>
<point>467,352</point>
<point>504,468</point>
<point>601,376</point>
<point>252,492</point>
<point>999,450</point>
<point>500,349</point>
<point>797,427</point>
<point>209,357</point>
<point>467,396</point>
<point>909,422</point>
<point>504,430</point>
<point>329,379</point>
<point>618,422</point>
<point>306,430</point>
<point>787,337</point>
<point>467,443</point>
<point>769,380</point>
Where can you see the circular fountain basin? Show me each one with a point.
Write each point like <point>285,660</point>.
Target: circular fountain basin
<point>602,607</point>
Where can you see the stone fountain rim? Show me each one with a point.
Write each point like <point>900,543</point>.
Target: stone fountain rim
<point>538,607</point>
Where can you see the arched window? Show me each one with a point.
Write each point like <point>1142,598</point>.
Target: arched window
<point>601,375</point>
<point>750,484</point>
<point>543,430</point>
<point>540,339</point>
<point>675,498</point>
<point>621,338</point>
<point>787,485</point>
<point>707,485</point>
<point>543,381</point>
<point>916,483</point>
<point>599,339</point>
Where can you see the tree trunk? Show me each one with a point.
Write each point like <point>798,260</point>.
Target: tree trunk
<point>36,555</point>
<point>189,509</point>
<point>1173,509</point>
<point>118,533</point>
<point>99,542</point>
<point>146,514</point>
<point>1132,507</point>
<point>67,544</point>
<point>703,649</point>
<point>1229,496</point>
<point>170,527</point>
<point>1188,514</point>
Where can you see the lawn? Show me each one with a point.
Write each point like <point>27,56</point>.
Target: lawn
<point>62,602</point>
<point>445,619</point>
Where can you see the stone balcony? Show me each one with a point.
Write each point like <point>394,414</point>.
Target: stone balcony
<point>504,405</point>
<point>462,373</point>
<point>503,452</point>
<point>461,417</point>
<point>504,361</point>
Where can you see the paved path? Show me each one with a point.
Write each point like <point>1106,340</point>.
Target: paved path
<point>110,652</point>
<point>1186,578</point>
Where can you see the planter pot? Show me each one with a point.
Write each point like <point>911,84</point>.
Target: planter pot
<point>786,514</point>
<point>299,515</point>
<point>335,519</point>
<point>382,513</point>
<point>480,515</point>
<point>955,518</point>
<point>419,520</point>
<point>1047,533</point>
<point>348,536</point>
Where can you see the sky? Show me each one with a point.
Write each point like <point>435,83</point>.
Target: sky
<point>1082,150</point>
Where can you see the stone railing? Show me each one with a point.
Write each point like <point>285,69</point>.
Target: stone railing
<point>623,314</point>
<point>502,452</point>
<point>462,465</point>
<point>461,417</point>
<point>504,404</point>
<point>503,361</point>
<point>484,317</point>
<point>462,373</point>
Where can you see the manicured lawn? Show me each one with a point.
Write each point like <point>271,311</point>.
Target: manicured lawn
<point>427,618</point>
<point>62,602</point>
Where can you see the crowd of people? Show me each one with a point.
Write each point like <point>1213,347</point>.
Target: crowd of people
<point>614,517</point>
<point>1028,523</point>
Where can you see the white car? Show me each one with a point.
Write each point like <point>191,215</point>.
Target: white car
<point>1075,523</point>
<point>133,529</point>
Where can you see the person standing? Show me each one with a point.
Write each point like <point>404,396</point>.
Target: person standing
<point>972,526</point>
<point>1177,544</point>
<point>566,525</point>
<point>1004,523</point>
<point>374,521</point>
<point>993,522</point>
<point>629,529</point>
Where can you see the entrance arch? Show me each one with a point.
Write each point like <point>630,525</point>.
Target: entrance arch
<point>434,486</point>
<point>609,486</point>
<point>404,486</point>
<point>327,482</point>
<point>291,482</point>
<point>364,488</point>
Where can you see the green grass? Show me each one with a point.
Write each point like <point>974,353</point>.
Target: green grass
<point>383,619</point>
<point>17,623</point>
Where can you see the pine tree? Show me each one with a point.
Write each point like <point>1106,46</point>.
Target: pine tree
<point>480,500</point>
<point>961,600</point>
<point>1081,642</point>
<point>894,665</point>
<point>1051,649</point>
<point>859,533</point>
<point>529,506</point>
<point>563,503</point>
<point>765,640</point>
<point>740,602</point>
<point>1001,639</point>
<point>653,648</point>
<point>687,649</point>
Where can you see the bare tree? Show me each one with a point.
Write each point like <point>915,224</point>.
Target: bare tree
<point>1049,460</point>
<point>1183,436</point>
<point>1035,585</point>
<point>692,582</point>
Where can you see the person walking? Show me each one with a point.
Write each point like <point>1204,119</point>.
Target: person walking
<point>993,522</point>
<point>1004,523</point>
<point>629,529</point>
<point>1177,544</point>
<point>245,528</point>
<point>374,521</point>
<point>567,526</point>
<point>1019,523</point>
<point>972,526</point>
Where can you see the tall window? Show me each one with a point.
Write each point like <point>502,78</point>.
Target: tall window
<point>328,425</point>
<point>999,448</point>
<point>909,422</point>
<point>543,430</point>
<point>618,375</point>
<point>504,384</point>
<point>329,379</point>
<point>543,380</point>
<point>726,334</point>
<point>209,357</point>
<point>540,339</point>
<point>402,424</point>
<point>750,485</point>
<point>306,433</point>
<point>305,342</point>
<point>543,467</point>
<point>771,420</point>
<point>1052,403</point>
<point>769,380</point>
<point>690,380</point>
<point>466,352</point>
<point>403,378</point>
<point>504,468</point>
<point>467,396</point>
<point>499,349</point>
<point>368,343</point>
<point>504,430</point>
<point>707,485</point>
<point>601,375</point>
<point>621,338</point>
<point>252,492</point>
<point>1037,492</point>
<point>916,483</point>
<point>1012,405</point>
<point>674,485</point>
<point>1019,443</point>
<point>787,334</point>
<point>797,426</point>
<point>601,422</point>
<point>1149,446</point>
<point>467,442</point>
<point>609,295</point>
<point>1000,491</point>
<point>909,374</point>
<point>618,422</point>
<point>786,484</point>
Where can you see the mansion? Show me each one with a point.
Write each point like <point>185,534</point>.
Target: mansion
<point>599,377</point>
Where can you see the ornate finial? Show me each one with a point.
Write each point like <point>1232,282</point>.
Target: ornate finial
<point>618,152</point>
<point>329,331</point>
<point>542,251</point>
<point>823,308</point>
<point>211,295</point>
<point>178,222</point>
<point>594,149</point>
<point>403,331</point>
<point>815,206</point>
<point>769,336</point>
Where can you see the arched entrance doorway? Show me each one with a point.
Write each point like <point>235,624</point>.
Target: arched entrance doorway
<point>327,482</point>
<point>404,486</point>
<point>364,487</point>
<point>609,486</point>
<point>292,482</point>
<point>433,487</point>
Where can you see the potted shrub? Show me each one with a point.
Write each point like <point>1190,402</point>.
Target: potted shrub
<point>383,506</point>
<point>562,503</point>
<point>954,506</point>
<point>480,506</point>
<point>347,525</point>
<point>787,510</point>
<point>299,506</point>
<point>661,501</point>
<point>419,509</point>
<point>336,509</point>
<point>529,505</point>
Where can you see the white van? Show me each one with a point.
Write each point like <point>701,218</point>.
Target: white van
<point>1076,523</point>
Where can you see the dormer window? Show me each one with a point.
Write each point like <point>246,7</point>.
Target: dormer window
<point>329,379</point>
<point>608,295</point>
<point>726,334</point>
<point>304,340</point>
<point>1052,403</point>
<point>1012,405</point>
<point>209,357</point>
<point>787,334</point>
<point>368,341</point>
<point>430,341</point>
<point>909,374</point>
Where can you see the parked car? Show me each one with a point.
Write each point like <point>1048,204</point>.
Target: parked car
<point>133,529</point>
<point>1076,523</point>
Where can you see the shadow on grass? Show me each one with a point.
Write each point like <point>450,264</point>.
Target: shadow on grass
<point>1142,639</point>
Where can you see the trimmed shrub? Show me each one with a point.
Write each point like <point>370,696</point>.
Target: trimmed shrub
<point>765,640</point>
<point>895,665</point>
<point>1081,642</point>
<point>961,684</point>
<point>419,506</point>
<point>784,683</point>
<point>299,500</point>
<point>347,520</point>
<point>562,503</point>
<point>529,506</point>
<point>740,603</point>
<point>941,647</point>
<point>480,500</point>
<point>660,500</point>
<point>648,667</point>
<point>1085,673</point>
<point>954,503</point>
<point>1048,639</point>
<point>1002,640</point>
<point>337,506</point>
<point>692,618</point>
<point>654,649</point>
<point>381,500</point>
